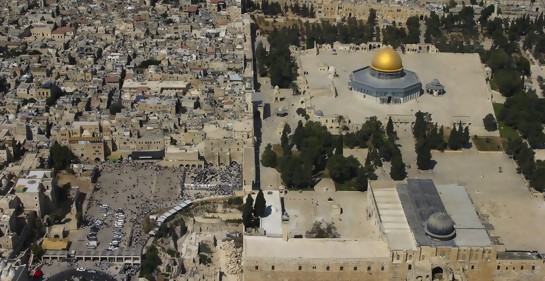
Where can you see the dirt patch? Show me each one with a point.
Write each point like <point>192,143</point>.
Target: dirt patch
<point>488,143</point>
<point>63,178</point>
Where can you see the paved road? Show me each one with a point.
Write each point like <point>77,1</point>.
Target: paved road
<point>71,274</point>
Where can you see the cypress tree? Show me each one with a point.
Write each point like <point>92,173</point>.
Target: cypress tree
<point>397,171</point>
<point>284,140</point>
<point>423,155</point>
<point>441,141</point>
<point>248,212</point>
<point>466,137</point>
<point>298,135</point>
<point>390,128</point>
<point>361,180</point>
<point>260,204</point>
<point>453,139</point>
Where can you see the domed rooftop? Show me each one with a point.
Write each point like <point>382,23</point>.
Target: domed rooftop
<point>387,60</point>
<point>440,226</point>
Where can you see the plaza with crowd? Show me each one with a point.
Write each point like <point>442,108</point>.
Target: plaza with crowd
<point>211,181</point>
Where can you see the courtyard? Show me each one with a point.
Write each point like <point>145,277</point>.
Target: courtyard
<point>467,97</point>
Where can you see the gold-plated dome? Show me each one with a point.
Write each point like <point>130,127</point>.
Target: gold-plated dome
<point>387,60</point>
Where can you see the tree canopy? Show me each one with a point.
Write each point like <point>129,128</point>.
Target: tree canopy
<point>61,156</point>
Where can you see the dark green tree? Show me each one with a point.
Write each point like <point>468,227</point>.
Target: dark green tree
<point>248,212</point>
<point>298,135</point>
<point>390,128</point>
<point>423,155</point>
<point>361,180</point>
<point>342,168</point>
<point>60,156</point>
<point>269,157</point>
<point>260,204</point>
<point>454,139</point>
<point>466,138</point>
<point>490,123</point>
<point>284,140</point>
<point>397,171</point>
<point>261,57</point>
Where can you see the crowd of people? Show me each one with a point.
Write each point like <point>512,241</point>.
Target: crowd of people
<point>223,180</point>
<point>130,186</point>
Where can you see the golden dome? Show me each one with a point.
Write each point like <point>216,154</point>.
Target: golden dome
<point>387,60</point>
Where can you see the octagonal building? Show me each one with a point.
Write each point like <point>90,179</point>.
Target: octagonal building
<point>385,79</point>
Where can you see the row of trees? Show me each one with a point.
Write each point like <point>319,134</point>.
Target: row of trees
<point>307,153</point>
<point>382,147</point>
<point>303,11</point>
<point>533,171</point>
<point>428,136</point>
<point>278,62</point>
<point>525,113</point>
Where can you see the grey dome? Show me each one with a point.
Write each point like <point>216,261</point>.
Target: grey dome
<point>440,226</point>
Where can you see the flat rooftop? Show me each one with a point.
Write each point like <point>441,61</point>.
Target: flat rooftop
<point>392,217</point>
<point>27,185</point>
<point>518,255</point>
<point>306,207</point>
<point>421,198</point>
<point>265,247</point>
<point>272,222</point>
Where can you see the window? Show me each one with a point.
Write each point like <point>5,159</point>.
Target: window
<point>272,267</point>
<point>498,268</point>
<point>341,268</point>
<point>314,267</point>
<point>533,267</point>
<point>382,268</point>
<point>410,266</point>
<point>300,267</point>
<point>327,268</point>
<point>355,268</point>
<point>369,268</point>
<point>256,267</point>
<point>472,267</point>
<point>522,267</point>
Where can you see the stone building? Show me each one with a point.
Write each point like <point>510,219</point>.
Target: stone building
<point>385,79</point>
<point>424,232</point>
<point>36,191</point>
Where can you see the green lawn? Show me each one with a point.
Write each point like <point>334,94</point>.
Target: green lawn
<point>493,85</point>
<point>505,131</point>
<point>347,186</point>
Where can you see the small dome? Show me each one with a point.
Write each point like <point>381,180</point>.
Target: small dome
<point>319,113</point>
<point>11,116</point>
<point>387,60</point>
<point>440,226</point>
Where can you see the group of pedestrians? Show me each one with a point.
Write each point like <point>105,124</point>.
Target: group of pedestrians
<point>207,181</point>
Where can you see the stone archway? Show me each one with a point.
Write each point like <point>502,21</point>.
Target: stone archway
<point>437,273</point>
